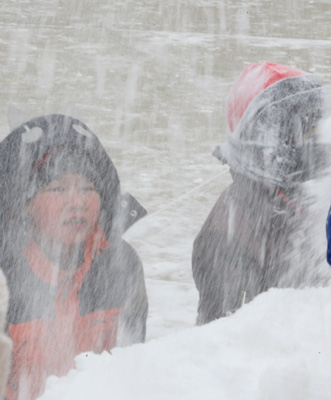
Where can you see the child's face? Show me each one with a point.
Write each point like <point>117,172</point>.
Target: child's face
<point>67,210</point>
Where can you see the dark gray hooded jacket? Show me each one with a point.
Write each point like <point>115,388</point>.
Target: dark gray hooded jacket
<point>247,243</point>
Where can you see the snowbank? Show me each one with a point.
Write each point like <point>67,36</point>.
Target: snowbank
<point>276,347</point>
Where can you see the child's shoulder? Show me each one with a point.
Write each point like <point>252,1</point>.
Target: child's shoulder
<point>121,254</point>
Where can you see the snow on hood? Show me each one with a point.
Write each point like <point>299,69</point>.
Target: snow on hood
<point>44,147</point>
<point>275,142</point>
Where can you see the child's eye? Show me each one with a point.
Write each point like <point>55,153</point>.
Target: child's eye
<point>58,189</point>
<point>88,189</point>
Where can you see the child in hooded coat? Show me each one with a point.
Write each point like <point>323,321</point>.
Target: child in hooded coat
<point>75,285</point>
<point>246,244</point>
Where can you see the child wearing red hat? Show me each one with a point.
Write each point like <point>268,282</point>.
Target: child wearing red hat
<point>244,246</point>
<point>75,285</point>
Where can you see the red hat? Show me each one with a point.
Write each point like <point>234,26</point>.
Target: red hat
<point>252,81</point>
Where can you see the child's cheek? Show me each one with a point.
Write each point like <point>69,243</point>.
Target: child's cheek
<point>49,212</point>
<point>94,207</point>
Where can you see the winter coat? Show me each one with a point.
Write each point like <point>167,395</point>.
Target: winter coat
<point>55,314</point>
<point>243,248</point>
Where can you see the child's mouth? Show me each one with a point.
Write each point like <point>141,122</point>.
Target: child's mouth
<point>77,223</point>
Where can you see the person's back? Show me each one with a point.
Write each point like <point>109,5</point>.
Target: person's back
<point>242,248</point>
<point>245,246</point>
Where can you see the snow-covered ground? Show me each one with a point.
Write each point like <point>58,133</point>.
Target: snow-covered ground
<point>277,347</point>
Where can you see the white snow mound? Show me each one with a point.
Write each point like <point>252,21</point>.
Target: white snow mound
<point>278,347</point>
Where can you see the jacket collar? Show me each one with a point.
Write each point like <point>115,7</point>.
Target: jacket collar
<point>55,276</point>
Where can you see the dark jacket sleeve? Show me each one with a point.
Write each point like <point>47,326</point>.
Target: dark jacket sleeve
<point>207,249</point>
<point>226,275</point>
<point>210,249</point>
<point>132,323</point>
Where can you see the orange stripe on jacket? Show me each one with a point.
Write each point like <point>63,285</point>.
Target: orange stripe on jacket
<point>48,346</point>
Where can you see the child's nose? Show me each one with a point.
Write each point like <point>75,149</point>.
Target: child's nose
<point>75,198</point>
